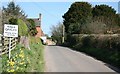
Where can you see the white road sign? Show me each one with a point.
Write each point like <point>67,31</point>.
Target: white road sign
<point>10,30</point>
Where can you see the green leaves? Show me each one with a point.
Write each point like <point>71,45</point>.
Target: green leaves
<point>81,17</point>
<point>76,16</point>
<point>22,28</point>
<point>13,21</point>
<point>19,60</point>
<point>57,33</point>
<point>12,11</point>
<point>105,14</point>
<point>32,27</point>
<point>103,10</point>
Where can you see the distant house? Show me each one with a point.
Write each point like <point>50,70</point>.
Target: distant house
<point>38,26</point>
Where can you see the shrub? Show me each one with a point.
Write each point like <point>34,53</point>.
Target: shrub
<point>86,41</point>
<point>13,21</point>
<point>32,27</point>
<point>22,28</point>
<point>98,45</point>
<point>115,43</point>
<point>72,40</point>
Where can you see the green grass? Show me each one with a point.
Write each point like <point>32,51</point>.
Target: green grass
<point>18,62</point>
<point>0,65</point>
<point>36,55</point>
<point>0,61</point>
<point>108,56</point>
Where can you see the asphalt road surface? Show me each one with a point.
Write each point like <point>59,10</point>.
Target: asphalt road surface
<point>62,59</point>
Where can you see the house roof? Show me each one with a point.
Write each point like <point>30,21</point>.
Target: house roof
<point>37,21</point>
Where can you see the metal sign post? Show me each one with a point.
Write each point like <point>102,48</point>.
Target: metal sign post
<point>10,31</point>
<point>9,47</point>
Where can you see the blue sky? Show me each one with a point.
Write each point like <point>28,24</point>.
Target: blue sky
<point>52,12</point>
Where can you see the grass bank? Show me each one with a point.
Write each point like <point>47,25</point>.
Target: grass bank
<point>0,65</point>
<point>111,57</point>
<point>24,60</point>
<point>36,55</point>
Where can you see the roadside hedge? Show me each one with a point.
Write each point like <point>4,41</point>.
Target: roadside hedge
<point>103,47</point>
<point>108,42</point>
<point>22,27</point>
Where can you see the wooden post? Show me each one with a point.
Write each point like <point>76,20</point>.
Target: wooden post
<point>63,39</point>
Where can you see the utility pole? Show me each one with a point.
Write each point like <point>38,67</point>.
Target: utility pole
<point>63,38</point>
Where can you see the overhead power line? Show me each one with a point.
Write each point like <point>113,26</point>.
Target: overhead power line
<point>50,14</point>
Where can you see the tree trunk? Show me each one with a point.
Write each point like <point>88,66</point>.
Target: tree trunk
<point>24,41</point>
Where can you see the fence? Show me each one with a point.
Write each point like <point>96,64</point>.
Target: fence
<point>0,42</point>
<point>4,49</point>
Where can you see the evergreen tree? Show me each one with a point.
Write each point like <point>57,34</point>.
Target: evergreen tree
<point>1,26</point>
<point>12,11</point>
<point>32,28</point>
<point>106,14</point>
<point>78,14</point>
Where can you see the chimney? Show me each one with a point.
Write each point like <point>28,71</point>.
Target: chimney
<point>40,18</point>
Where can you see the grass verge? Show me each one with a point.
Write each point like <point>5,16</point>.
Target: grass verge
<point>36,55</point>
<point>0,64</point>
<point>111,57</point>
<point>24,60</point>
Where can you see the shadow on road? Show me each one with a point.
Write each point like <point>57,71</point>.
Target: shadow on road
<point>112,67</point>
<point>106,64</point>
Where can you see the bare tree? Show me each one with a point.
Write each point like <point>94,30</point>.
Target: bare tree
<point>1,26</point>
<point>94,27</point>
<point>57,33</point>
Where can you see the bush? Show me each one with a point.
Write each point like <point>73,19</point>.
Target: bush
<point>115,43</point>
<point>22,28</point>
<point>13,21</point>
<point>106,48</point>
<point>86,41</point>
<point>32,27</point>
<point>103,42</point>
<point>71,40</point>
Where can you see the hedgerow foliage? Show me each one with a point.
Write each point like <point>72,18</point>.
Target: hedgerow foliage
<point>22,28</point>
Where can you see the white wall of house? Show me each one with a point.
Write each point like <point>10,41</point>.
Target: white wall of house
<point>44,38</point>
